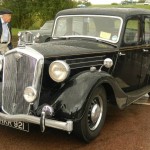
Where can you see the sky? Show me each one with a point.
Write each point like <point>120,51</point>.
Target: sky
<point>104,1</point>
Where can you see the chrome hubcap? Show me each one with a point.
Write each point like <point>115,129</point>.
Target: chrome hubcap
<point>95,113</point>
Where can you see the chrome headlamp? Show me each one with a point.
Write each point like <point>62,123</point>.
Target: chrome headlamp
<point>59,70</point>
<point>30,94</point>
<point>108,63</point>
<point>1,62</point>
<point>19,34</point>
<point>37,35</point>
<point>36,38</point>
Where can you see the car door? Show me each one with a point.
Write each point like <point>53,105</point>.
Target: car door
<point>128,67</point>
<point>145,71</point>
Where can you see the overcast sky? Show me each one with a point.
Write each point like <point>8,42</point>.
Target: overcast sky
<point>104,1</point>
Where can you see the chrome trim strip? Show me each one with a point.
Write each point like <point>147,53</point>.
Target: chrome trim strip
<point>66,126</point>
<point>85,62</point>
<point>26,50</point>
<point>85,66</point>
<point>86,58</point>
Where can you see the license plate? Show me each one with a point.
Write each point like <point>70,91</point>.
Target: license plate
<point>16,124</point>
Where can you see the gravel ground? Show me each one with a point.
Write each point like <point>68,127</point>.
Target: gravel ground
<point>123,130</point>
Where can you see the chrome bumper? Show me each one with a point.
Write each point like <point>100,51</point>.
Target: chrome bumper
<point>66,126</point>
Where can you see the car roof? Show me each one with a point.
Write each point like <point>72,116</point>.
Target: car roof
<point>121,12</point>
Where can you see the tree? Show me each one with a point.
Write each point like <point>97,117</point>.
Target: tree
<point>26,12</point>
<point>141,1</point>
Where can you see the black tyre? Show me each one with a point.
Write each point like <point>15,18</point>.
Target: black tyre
<point>47,40</point>
<point>95,113</point>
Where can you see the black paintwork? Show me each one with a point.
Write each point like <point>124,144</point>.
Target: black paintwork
<point>73,96</point>
<point>126,81</point>
<point>121,12</point>
<point>70,47</point>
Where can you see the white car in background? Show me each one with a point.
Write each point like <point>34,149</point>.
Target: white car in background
<point>30,37</point>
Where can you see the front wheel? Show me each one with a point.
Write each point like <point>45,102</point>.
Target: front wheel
<point>95,113</point>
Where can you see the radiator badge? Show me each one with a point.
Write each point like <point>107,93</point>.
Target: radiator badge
<point>18,56</point>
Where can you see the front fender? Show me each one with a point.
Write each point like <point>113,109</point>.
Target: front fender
<point>71,100</point>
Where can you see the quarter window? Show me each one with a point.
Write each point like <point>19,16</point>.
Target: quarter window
<point>132,32</point>
<point>147,30</point>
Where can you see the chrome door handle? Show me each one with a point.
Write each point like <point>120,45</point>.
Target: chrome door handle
<point>145,50</point>
<point>121,54</point>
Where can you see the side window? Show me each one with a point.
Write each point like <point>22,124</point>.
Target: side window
<point>147,30</point>
<point>131,36</point>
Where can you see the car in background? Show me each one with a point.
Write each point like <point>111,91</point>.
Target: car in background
<point>147,2</point>
<point>81,5</point>
<point>127,2</point>
<point>29,37</point>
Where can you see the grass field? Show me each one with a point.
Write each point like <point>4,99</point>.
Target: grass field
<point>15,31</point>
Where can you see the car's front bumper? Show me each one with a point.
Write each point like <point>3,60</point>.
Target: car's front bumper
<point>66,126</point>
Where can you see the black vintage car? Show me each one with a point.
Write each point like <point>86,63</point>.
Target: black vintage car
<point>29,37</point>
<point>96,57</point>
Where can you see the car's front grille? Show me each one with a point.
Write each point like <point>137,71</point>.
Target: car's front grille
<point>19,73</point>
<point>27,37</point>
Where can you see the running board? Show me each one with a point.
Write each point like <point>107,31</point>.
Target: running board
<point>136,95</point>
<point>143,101</point>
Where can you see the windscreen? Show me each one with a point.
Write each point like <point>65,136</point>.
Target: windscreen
<point>101,27</point>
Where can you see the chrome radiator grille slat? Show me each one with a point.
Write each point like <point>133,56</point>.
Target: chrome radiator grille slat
<point>27,37</point>
<point>18,74</point>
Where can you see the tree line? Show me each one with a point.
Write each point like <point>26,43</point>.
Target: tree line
<point>28,14</point>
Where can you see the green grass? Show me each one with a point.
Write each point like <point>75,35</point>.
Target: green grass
<point>15,31</point>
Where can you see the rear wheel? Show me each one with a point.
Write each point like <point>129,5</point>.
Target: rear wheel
<point>90,125</point>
